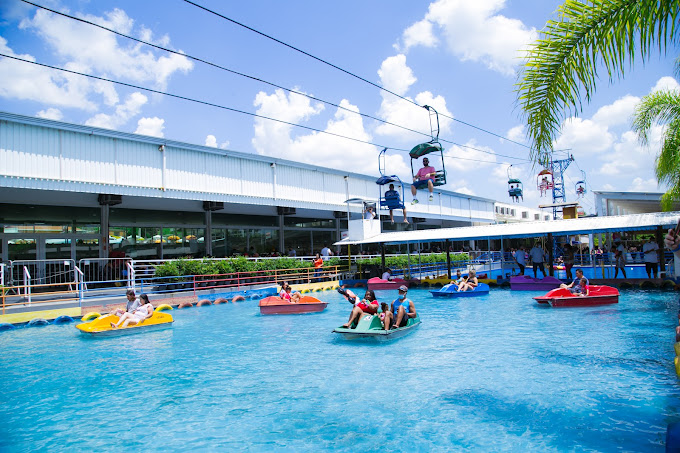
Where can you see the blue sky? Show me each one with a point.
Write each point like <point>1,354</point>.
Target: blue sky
<point>459,56</point>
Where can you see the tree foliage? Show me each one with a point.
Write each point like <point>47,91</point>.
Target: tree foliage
<point>563,67</point>
<point>662,107</point>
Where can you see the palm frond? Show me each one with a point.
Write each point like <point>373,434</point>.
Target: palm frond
<point>561,68</point>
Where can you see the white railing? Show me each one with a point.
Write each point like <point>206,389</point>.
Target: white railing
<point>80,283</point>
<point>27,284</point>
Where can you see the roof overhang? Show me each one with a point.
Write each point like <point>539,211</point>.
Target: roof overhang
<point>589,225</point>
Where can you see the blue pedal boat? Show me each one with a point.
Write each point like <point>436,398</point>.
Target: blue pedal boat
<point>452,291</point>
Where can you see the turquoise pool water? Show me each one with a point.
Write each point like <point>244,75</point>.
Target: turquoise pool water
<point>491,373</point>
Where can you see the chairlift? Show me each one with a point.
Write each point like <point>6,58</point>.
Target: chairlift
<point>389,199</point>
<point>545,181</point>
<point>431,147</point>
<point>515,187</point>
<point>581,187</point>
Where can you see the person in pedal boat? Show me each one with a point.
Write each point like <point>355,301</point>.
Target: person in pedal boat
<point>366,306</point>
<point>401,311</point>
<point>143,312</point>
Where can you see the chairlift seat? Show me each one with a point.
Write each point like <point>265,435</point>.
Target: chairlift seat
<point>424,149</point>
<point>391,201</point>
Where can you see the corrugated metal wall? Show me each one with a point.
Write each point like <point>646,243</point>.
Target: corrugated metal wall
<point>68,157</point>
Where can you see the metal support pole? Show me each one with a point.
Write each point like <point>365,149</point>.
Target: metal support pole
<point>662,258</point>
<point>551,269</point>
<point>207,238</point>
<point>448,258</point>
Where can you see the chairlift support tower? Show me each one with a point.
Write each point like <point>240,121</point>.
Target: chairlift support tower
<point>558,167</point>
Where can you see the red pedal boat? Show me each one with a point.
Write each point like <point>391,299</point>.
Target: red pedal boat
<point>378,283</point>
<point>599,295</point>
<point>274,305</point>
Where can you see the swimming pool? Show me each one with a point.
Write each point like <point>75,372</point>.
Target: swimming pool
<point>491,373</point>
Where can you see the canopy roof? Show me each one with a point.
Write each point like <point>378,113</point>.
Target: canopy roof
<point>586,225</point>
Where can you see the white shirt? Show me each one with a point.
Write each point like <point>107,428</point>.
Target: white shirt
<point>649,249</point>
<point>326,253</point>
<point>386,276</point>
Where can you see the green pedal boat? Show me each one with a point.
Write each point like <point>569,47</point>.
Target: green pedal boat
<point>370,327</point>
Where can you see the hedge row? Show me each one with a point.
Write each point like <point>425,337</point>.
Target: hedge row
<point>400,262</point>
<point>184,267</point>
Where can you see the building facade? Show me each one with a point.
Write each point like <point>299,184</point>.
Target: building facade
<point>76,192</point>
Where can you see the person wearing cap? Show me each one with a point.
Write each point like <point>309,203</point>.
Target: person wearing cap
<point>424,177</point>
<point>649,250</point>
<point>366,306</point>
<point>401,311</point>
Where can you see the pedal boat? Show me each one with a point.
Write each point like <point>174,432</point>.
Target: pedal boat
<point>274,305</point>
<point>599,295</point>
<point>526,283</point>
<point>451,291</point>
<point>377,283</point>
<point>101,326</point>
<point>370,328</point>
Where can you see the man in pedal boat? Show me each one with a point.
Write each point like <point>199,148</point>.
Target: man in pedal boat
<point>401,310</point>
<point>575,286</point>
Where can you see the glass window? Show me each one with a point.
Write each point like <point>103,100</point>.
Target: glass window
<point>237,241</point>
<point>264,241</point>
<point>298,240</point>
<point>87,248</point>
<point>22,249</point>
<point>308,223</point>
<point>57,249</point>
<point>323,238</point>
<point>525,215</point>
<point>138,243</point>
<point>537,217</point>
<point>219,243</point>
<point>244,220</point>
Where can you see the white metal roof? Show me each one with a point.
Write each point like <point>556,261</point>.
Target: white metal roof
<point>584,225</point>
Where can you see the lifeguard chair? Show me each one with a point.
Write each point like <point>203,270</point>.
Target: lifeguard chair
<point>431,147</point>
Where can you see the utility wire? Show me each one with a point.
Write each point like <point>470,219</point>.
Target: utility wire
<point>265,81</point>
<point>257,79</point>
<point>211,104</point>
<point>198,101</point>
<point>346,71</point>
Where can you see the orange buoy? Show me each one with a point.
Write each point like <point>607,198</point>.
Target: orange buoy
<point>185,305</point>
<point>238,298</point>
<point>203,302</point>
<point>221,300</point>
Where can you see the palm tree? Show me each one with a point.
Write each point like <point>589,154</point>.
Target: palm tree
<point>561,69</point>
<point>662,107</point>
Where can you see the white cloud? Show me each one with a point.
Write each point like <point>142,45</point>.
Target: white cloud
<point>100,51</point>
<point>211,141</point>
<point>396,76</point>
<point>419,34</point>
<point>474,31</point>
<point>470,157</point>
<point>666,83</point>
<point>644,185</point>
<point>33,83</point>
<point>50,114</point>
<point>581,135</point>
<point>516,133</point>
<point>619,112</point>
<point>461,187</point>
<point>277,139</point>
<point>123,112</point>
<point>83,48</point>
<point>150,126</point>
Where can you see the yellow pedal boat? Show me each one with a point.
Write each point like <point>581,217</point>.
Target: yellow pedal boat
<point>101,327</point>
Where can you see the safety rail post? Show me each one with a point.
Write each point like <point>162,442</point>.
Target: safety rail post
<point>27,284</point>
<point>2,285</point>
<point>80,281</point>
<point>131,276</point>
